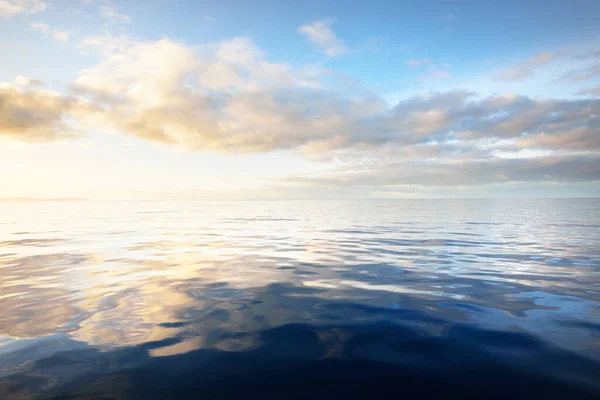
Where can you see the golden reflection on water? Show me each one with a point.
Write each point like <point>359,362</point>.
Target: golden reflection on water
<point>117,284</point>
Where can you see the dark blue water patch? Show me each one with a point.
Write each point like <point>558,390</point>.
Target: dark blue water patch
<point>305,273</point>
<point>172,324</point>
<point>586,325</point>
<point>217,285</point>
<point>302,361</point>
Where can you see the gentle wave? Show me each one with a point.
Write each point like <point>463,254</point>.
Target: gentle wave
<point>310,299</point>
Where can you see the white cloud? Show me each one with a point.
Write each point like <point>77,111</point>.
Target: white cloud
<point>14,7</point>
<point>105,45</point>
<point>111,13</point>
<point>56,34</point>
<point>60,36</point>
<point>321,35</point>
<point>224,96</point>
<point>22,80</point>
<point>228,97</point>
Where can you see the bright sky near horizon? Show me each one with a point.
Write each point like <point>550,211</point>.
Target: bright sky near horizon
<point>239,99</point>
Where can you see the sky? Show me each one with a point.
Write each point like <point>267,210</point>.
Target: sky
<point>189,100</point>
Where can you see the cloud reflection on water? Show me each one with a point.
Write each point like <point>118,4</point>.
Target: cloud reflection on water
<point>220,276</point>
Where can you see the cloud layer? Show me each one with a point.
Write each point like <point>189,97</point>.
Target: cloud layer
<point>228,97</point>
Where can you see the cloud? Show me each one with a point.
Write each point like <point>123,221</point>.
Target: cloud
<point>56,34</point>
<point>111,14</point>
<point>14,7</point>
<point>33,115</point>
<point>584,74</point>
<point>105,45</point>
<point>432,70</point>
<point>450,22</point>
<point>528,67</point>
<point>423,62</point>
<point>593,91</point>
<point>583,138</point>
<point>25,81</point>
<point>460,172</point>
<point>587,55</point>
<point>224,97</point>
<point>321,35</point>
<point>228,97</point>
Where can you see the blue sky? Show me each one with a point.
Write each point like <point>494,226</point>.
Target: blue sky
<point>276,99</point>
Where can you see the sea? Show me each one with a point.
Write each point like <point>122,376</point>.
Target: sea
<point>300,299</point>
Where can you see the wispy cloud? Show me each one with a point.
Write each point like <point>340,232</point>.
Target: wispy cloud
<point>593,91</point>
<point>583,74</point>
<point>13,7</point>
<point>322,36</point>
<point>528,67</point>
<point>111,13</point>
<point>105,45</point>
<point>431,69</point>
<point>450,17</point>
<point>422,62</point>
<point>450,22</point>
<point>56,34</point>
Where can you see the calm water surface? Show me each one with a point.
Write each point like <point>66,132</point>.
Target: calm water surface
<point>300,299</point>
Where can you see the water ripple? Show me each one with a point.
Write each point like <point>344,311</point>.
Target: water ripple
<point>318,299</point>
